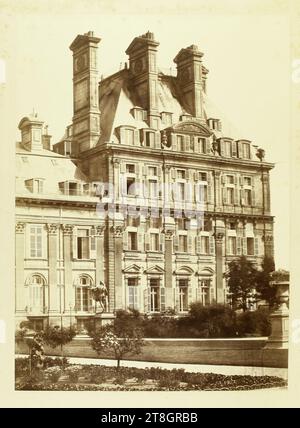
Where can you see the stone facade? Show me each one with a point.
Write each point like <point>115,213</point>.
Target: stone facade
<point>148,191</point>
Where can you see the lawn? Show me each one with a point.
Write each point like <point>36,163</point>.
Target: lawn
<point>55,376</point>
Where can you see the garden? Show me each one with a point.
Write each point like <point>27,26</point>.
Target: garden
<point>58,375</point>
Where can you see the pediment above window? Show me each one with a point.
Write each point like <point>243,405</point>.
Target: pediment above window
<point>206,272</point>
<point>192,127</point>
<point>132,269</point>
<point>155,270</point>
<point>184,270</point>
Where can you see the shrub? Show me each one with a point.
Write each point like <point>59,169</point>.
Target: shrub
<point>21,366</point>
<point>159,326</point>
<point>256,323</point>
<point>73,373</point>
<point>53,373</point>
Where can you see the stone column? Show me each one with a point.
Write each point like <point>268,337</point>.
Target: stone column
<point>20,255</point>
<point>219,236</point>
<point>100,253</point>
<point>279,338</point>
<point>69,293</point>
<point>117,234</point>
<point>169,267</point>
<point>217,191</point>
<point>53,301</point>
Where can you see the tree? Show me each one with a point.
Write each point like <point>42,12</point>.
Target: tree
<point>58,336</point>
<point>242,281</point>
<point>266,290</point>
<point>118,338</point>
<point>35,344</point>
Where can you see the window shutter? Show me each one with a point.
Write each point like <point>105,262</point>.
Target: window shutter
<point>190,294</point>
<point>227,244</point>
<point>147,241</point>
<point>176,243</point>
<point>223,179</point>
<point>140,241</point>
<point>207,146</point>
<point>239,246</point>
<point>234,149</point>
<point>144,170</point>
<point>157,140</point>
<point>173,173</point>
<point>256,249</point>
<point>236,196</point>
<point>244,240</point>
<point>242,197</point>
<point>161,242</point>
<point>253,201</point>
<point>137,137</point>
<point>146,300</point>
<point>93,241</point>
<point>74,245</point>
<point>240,149</point>
<point>159,171</point>
<point>125,240</point>
<point>190,245</point>
<point>196,175</point>
<point>173,142</point>
<point>224,195</point>
<point>187,143</point>
<point>212,245</point>
<point>162,299</point>
<point>198,244</point>
<point>222,148</point>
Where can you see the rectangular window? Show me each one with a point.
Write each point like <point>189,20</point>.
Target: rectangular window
<point>230,179</point>
<point>205,244</point>
<point>129,136</point>
<point>132,241</point>
<point>182,243</point>
<point>247,195</point>
<point>35,241</point>
<point>203,193</point>
<point>150,139</point>
<point>246,150</point>
<point>247,181</point>
<point>154,222</point>
<point>133,293</point>
<point>83,244</point>
<point>67,148</point>
<point>183,295</point>
<point>250,246</point>
<point>152,171</point>
<point>152,189</point>
<point>181,174</point>
<point>202,145</point>
<point>130,186</point>
<point>231,245</point>
<point>181,224</point>
<point>73,189</point>
<point>228,148</point>
<point>154,241</point>
<point>205,291</point>
<point>230,195</point>
<point>154,295</point>
<point>180,143</point>
<point>130,168</point>
<point>202,176</point>
<point>180,187</point>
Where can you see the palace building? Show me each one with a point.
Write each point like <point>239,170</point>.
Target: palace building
<point>149,191</point>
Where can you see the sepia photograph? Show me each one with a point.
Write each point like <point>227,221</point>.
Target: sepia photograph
<point>151,196</point>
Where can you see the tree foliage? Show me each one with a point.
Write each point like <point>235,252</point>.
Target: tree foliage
<point>265,290</point>
<point>121,338</point>
<point>242,277</point>
<point>58,336</point>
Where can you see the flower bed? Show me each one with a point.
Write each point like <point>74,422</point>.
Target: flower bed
<point>103,378</point>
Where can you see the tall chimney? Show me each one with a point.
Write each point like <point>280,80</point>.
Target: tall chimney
<point>86,113</point>
<point>143,75</point>
<point>189,75</point>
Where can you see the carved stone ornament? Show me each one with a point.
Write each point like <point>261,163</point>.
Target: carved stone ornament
<point>168,233</point>
<point>67,229</point>
<point>219,236</point>
<point>117,231</point>
<point>100,230</point>
<point>20,227</point>
<point>52,228</point>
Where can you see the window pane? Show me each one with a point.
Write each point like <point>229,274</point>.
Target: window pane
<point>132,241</point>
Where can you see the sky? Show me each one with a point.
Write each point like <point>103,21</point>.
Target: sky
<point>247,55</point>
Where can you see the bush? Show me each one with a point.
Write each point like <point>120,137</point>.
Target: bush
<point>159,326</point>
<point>21,366</point>
<point>208,321</point>
<point>53,373</point>
<point>55,361</point>
<point>73,373</point>
<point>256,323</point>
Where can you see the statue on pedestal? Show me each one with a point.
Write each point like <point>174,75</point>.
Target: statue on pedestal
<point>100,295</point>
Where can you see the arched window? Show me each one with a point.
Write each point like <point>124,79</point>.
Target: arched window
<point>37,295</point>
<point>83,296</point>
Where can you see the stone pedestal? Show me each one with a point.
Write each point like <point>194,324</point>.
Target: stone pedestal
<point>280,319</point>
<point>103,318</point>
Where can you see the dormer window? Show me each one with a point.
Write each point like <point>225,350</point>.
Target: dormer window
<point>138,113</point>
<point>180,143</point>
<point>244,149</point>
<point>202,145</point>
<point>150,139</point>
<point>35,185</point>
<point>129,136</point>
<point>71,188</point>
<point>215,124</point>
